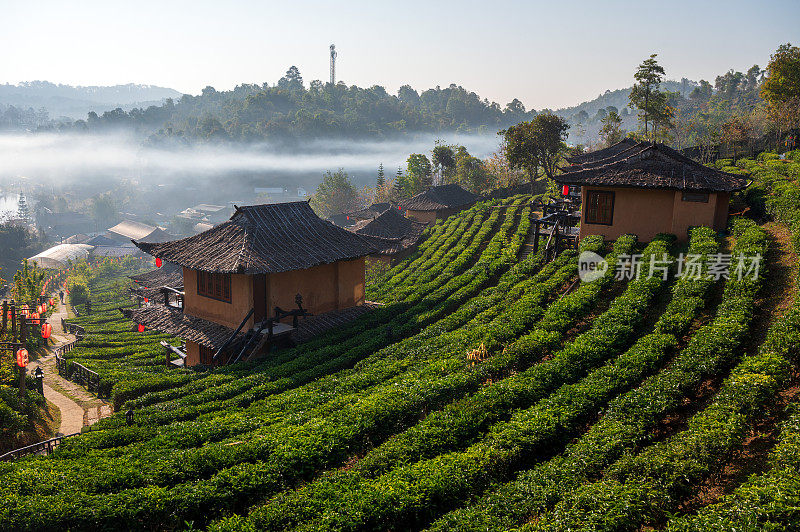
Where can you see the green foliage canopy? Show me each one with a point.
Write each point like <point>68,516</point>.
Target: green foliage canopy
<point>336,194</point>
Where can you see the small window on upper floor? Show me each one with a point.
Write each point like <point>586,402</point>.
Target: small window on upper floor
<point>214,285</point>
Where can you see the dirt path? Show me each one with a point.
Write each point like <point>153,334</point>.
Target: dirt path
<point>78,407</point>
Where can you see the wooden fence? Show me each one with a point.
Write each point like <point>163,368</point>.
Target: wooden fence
<point>78,373</point>
<point>71,328</point>
<point>43,448</point>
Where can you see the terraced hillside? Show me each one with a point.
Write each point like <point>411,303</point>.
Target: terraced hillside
<point>489,392</point>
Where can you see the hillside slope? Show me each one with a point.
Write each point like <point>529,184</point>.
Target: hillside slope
<point>488,393</point>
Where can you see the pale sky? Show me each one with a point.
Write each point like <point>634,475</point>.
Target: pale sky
<point>546,53</point>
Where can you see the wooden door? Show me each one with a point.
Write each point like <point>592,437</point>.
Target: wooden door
<point>259,298</point>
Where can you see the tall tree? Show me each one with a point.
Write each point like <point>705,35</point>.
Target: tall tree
<point>399,187</point>
<point>471,172</point>
<point>104,210</point>
<point>444,160</point>
<point>781,87</point>
<point>418,172</point>
<point>612,131</point>
<point>645,94</point>
<point>536,145</point>
<point>292,80</point>
<point>735,133</point>
<point>335,195</point>
<point>381,177</point>
<point>501,172</point>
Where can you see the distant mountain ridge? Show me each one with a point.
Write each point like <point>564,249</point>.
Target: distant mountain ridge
<point>611,98</point>
<point>619,98</point>
<point>76,101</point>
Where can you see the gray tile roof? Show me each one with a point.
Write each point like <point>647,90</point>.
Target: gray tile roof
<point>596,155</point>
<point>173,321</point>
<point>391,232</point>
<point>648,165</point>
<point>440,197</point>
<point>264,239</point>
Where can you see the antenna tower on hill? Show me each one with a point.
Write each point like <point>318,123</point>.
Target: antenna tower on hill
<point>333,64</point>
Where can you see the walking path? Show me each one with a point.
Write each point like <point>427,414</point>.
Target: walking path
<point>78,407</point>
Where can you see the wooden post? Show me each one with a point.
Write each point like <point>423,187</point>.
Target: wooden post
<point>22,372</point>
<point>536,237</point>
<point>23,331</point>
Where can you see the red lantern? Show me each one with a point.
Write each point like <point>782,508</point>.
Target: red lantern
<point>141,328</point>
<point>50,301</point>
<point>39,309</point>
<point>47,330</point>
<point>565,190</point>
<point>146,300</point>
<point>22,357</point>
<point>35,318</point>
<point>158,262</point>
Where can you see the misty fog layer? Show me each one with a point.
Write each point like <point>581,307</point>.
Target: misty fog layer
<point>59,158</point>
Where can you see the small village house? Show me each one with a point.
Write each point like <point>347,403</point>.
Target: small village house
<point>648,189</point>
<point>438,203</point>
<point>240,274</point>
<point>128,230</point>
<point>351,218</point>
<point>394,235</point>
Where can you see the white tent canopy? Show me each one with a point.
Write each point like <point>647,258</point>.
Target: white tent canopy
<point>57,256</point>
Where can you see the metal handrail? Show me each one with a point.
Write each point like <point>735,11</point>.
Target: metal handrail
<point>48,446</point>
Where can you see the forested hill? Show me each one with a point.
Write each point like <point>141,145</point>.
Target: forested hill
<point>587,116</point>
<point>292,109</point>
<point>619,98</point>
<point>698,110</point>
<point>76,101</point>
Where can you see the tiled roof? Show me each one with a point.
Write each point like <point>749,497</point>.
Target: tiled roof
<point>264,239</point>
<point>173,321</point>
<point>389,224</point>
<point>168,274</point>
<point>312,326</point>
<point>647,165</point>
<point>596,155</point>
<point>139,231</point>
<point>150,283</point>
<point>440,197</point>
<point>114,251</point>
<point>391,231</point>
<point>101,240</point>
